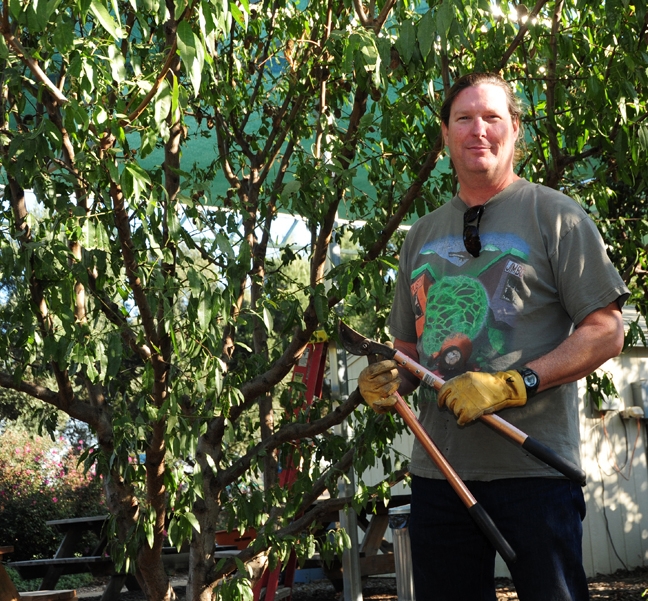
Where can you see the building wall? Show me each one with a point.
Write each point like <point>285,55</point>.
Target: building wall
<point>613,453</point>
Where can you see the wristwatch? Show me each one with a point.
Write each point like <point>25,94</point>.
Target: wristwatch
<point>530,379</point>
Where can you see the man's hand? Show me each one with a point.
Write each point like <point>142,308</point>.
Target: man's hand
<point>378,382</point>
<point>471,395</point>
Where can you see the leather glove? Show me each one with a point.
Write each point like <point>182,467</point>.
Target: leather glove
<point>474,393</point>
<point>377,383</point>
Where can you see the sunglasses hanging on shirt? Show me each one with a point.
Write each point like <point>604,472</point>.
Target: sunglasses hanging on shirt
<point>471,232</point>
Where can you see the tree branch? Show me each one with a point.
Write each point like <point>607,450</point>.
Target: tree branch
<point>76,409</point>
<point>131,264</point>
<point>292,431</point>
<point>361,14</point>
<point>37,291</point>
<point>384,13</point>
<point>111,310</point>
<point>406,202</point>
<point>520,35</point>
<point>34,67</point>
<point>168,63</point>
<point>42,393</point>
<point>318,512</point>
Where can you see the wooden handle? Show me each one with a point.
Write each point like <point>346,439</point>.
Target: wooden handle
<point>432,450</point>
<point>477,512</point>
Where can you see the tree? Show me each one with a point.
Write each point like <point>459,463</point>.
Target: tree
<point>162,140</point>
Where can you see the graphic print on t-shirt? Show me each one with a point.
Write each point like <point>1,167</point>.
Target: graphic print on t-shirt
<point>466,308</point>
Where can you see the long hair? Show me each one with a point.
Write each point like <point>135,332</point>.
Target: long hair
<point>514,104</point>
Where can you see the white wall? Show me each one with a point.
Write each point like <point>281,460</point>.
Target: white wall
<point>613,452</point>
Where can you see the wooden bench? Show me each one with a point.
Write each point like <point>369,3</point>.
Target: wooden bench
<point>96,565</point>
<point>69,595</point>
<point>8,591</point>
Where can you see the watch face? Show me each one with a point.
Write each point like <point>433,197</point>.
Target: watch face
<point>530,380</point>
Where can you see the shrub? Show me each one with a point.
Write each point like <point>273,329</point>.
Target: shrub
<point>40,481</point>
<point>70,581</point>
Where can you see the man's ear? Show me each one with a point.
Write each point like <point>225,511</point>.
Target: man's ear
<point>444,132</point>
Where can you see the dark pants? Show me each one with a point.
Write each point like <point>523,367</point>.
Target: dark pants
<point>541,518</point>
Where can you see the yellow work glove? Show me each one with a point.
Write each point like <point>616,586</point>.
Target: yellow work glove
<point>475,393</point>
<point>377,383</point>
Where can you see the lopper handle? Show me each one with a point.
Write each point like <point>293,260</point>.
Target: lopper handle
<point>532,446</point>
<point>478,513</point>
<point>489,528</point>
<point>550,457</point>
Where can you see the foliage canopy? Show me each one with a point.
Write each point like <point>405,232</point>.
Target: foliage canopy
<point>145,296</point>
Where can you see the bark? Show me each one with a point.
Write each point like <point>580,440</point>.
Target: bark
<point>556,165</point>
<point>149,561</point>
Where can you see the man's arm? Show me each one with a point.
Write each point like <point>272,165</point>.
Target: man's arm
<point>596,339</point>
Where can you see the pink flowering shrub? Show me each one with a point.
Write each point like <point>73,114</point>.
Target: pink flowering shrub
<point>40,481</point>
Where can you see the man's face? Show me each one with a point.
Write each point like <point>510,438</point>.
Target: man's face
<point>480,134</point>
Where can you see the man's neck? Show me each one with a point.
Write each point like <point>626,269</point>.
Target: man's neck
<point>478,191</point>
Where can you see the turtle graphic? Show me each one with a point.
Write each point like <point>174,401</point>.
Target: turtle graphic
<point>455,313</point>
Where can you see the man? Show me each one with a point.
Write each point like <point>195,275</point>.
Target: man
<point>506,292</point>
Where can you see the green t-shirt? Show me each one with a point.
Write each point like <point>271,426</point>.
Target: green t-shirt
<point>542,269</point>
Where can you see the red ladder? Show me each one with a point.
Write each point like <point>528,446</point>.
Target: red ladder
<point>309,370</point>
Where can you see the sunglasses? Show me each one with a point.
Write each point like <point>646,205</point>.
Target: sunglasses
<point>471,232</point>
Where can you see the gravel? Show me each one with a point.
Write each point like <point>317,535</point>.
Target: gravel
<point>623,585</point>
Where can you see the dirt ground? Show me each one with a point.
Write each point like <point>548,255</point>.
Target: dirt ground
<point>620,586</point>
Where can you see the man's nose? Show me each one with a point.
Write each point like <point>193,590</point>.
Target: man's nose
<point>478,127</point>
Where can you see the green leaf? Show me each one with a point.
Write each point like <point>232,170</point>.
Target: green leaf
<point>290,188</point>
<point>267,320</point>
<point>320,302</point>
<point>134,181</point>
<point>191,518</point>
<point>117,64</point>
<point>162,104</point>
<point>426,32</point>
<point>406,41</point>
<point>445,16</point>
<point>192,54</point>
<point>175,95</point>
<point>173,532</point>
<point>105,19</point>
<point>211,463</point>
<point>95,235</point>
<point>114,352</point>
<point>204,310</point>
<point>623,109</point>
<point>642,136</point>
<point>149,533</point>
<point>239,16</point>
<point>4,50</point>
<point>242,568</point>
<point>148,140</point>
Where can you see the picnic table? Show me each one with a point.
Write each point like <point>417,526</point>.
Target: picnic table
<point>65,560</point>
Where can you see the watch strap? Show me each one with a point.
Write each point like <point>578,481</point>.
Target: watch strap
<point>531,380</point>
